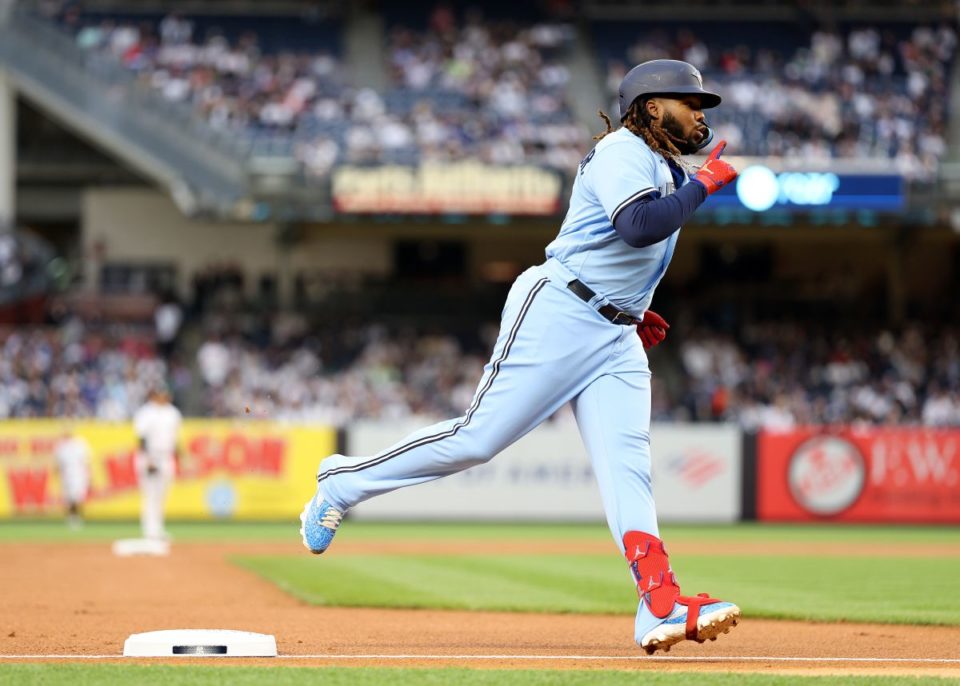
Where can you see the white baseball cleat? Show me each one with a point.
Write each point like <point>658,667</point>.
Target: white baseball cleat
<point>714,619</point>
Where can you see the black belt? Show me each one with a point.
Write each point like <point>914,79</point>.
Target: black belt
<point>608,311</point>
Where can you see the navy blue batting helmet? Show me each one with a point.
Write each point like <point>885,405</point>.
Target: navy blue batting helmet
<point>663,77</point>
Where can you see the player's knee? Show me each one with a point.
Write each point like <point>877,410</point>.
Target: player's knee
<point>471,450</point>
<point>328,463</point>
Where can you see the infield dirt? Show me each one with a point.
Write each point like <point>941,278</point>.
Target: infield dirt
<point>78,599</point>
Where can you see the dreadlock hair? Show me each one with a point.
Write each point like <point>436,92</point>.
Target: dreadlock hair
<point>639,122</point>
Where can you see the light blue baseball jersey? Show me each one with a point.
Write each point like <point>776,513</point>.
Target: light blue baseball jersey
<point>618,171</point>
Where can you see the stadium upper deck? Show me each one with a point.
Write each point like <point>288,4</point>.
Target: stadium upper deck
<point>858,91</point>
<point>494,86</point>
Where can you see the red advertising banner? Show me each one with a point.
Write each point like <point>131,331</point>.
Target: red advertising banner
<point>908,475</point>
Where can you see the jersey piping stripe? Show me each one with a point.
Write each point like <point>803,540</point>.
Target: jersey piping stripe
<point>635,196</point>
<point>470,412</point>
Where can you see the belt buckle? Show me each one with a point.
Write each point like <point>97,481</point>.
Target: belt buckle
<point>623,319</point>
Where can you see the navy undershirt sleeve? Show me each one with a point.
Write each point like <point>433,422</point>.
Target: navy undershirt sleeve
<point>651,219</point>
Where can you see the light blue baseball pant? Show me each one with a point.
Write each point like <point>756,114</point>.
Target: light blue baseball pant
<point>552,348</point>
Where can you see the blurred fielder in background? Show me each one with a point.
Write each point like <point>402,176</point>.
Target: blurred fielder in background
<point>574,330</point>
<point>157,425</point>
<point>72,453</point>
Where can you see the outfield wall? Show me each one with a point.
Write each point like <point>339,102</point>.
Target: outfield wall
<point>258,470</point>
<point>547,475</point>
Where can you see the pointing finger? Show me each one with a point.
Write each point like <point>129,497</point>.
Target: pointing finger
<point>717,151</point>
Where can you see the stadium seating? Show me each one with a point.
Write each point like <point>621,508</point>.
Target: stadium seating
<point>798,91</point>
<point>492,86</point>
<point>494,91</point>
<point>339,371</point>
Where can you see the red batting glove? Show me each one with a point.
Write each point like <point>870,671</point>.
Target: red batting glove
<point>715,173</point>
<point>652,330</point>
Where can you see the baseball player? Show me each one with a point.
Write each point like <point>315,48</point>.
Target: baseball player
<point>569,333</point>
<point>157,424</point>
<point>72,453</point>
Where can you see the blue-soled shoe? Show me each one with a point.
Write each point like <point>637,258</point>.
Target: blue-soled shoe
<point>318,523</point>
<point>714,619</point>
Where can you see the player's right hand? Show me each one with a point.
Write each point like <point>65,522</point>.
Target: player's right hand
<point>715,173</point>
<point>653,329</point>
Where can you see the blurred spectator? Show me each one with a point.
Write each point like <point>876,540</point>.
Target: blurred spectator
<point>213,358</point>
<point>167,320</point>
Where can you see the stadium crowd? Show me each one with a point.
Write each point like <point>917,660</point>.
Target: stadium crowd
<point>487,90</point>
<point>469,86</point>
<point>769,376</point>
<point>77,370</point>
<point>778,375</point>
<point>360,373</point>
<point>233,83</point>
<point>864,93</point>
<point>491,90</point>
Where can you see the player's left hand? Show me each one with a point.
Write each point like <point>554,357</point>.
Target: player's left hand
<point>715,173</point>
<point>653,329</point>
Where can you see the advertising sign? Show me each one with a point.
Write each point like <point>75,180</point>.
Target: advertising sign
<point>469,187</point>
<point>867,475</point>
<point>225,469</point>
<point>759,188</point>
<point>547,475</point>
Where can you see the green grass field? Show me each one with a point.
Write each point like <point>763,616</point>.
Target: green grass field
<point>810,586</point>
<point>828,586</point>
<point>819,586</point>
<point>813,588</point>
<point>162,675</point>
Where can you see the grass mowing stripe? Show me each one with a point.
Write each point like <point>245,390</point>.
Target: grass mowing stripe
<point>486,587</point>
<point>813,588</point>
<point>463,583</point>
<point>325,585</point>
<point>831,588</point>
<point>575,581</point>
<point>192,675</point>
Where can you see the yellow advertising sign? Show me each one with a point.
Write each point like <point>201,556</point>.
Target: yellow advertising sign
<point>225,469</point>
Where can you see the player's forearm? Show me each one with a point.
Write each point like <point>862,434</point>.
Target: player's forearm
<point>650,220</point>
